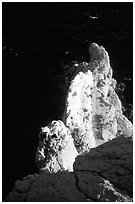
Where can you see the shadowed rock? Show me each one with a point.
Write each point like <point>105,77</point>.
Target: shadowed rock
<point>113,162</point>
<point>102,175</point>
<point>60,186</point>
<point>95,132</point>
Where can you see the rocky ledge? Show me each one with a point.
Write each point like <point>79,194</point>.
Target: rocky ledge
<point>88,155</point>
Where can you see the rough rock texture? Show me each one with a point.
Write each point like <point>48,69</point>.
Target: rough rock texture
<point>93,110</point>
<point>113,162</point>
<point>89,157</point>
<point>103,174</point>
<point>21,189</point>
<point>60,186</point>
<point>54,146</point>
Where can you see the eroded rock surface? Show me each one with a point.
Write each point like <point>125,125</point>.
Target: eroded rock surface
<point>102,175</point>
<point>93,110</point>
<point>111,162</point>
<point>56,150</point>
<point>60,186</point>
<point>21,188</point>
<point>95,138</point>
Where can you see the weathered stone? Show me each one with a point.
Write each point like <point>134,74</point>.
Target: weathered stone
<point>55,187</point>
<point>93,110</point>
<point>124,126</point>
<point>94,127</point>
<point>98,189</point>
<point>103,175</point>
<point>22,186</point>
<point>15,196</point>
<point>56,150</point>
<point>112,161</point>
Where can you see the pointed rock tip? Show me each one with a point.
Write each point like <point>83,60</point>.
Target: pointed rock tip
<point>97,52</point>
<point>93,46</point>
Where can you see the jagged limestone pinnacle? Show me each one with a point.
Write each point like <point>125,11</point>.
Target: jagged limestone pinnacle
<point>92,116</point>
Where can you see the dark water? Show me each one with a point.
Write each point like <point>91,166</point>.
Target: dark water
<point>39,39</point>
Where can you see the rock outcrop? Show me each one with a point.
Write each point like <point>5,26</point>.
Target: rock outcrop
<point>54,146</point>
<point>102,175</point>
<point>87,157</point>
<point>93,110</point>
<point>110,164</point>
<point>60,186</point>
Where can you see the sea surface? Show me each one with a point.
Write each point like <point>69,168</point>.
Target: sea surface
<point>40,41</point>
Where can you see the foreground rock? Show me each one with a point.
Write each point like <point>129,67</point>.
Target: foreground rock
<point>56,150</point>
<point>103,174</point>
<point>60,186</point>
<point>107,167</point>
<point>95,138</point>
<point>93,110</point>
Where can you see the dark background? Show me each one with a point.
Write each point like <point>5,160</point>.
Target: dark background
<point>39,39</point>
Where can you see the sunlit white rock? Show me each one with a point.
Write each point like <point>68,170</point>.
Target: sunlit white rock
<point>93,110</point>
<point>92,116</point>
<point>56,150</point>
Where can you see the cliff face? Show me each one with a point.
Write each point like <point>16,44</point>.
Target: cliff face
<point>93,110</point>
<point>93,116</point>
